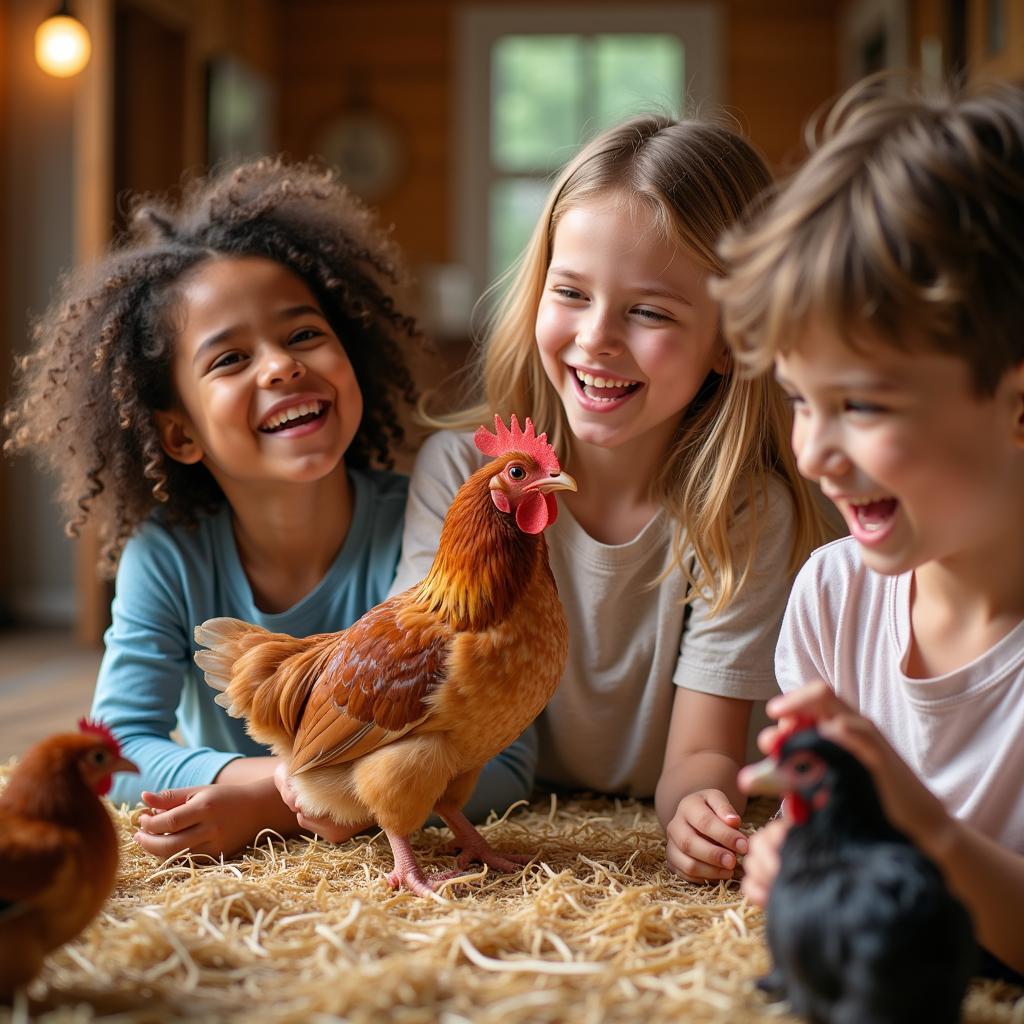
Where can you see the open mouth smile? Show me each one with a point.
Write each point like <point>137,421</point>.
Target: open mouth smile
<point>602,392</point>
<point>299,415</point>
<point>871,519</point>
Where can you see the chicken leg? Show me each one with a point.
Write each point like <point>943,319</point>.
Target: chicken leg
<point>407,870</point>
<point>472,846</point>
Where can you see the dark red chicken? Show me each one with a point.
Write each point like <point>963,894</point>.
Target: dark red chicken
<point>861,926</point>
<point>58,847</point>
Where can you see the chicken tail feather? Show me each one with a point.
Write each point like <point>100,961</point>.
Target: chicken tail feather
<point>262,677</point>
<point>225,640</point>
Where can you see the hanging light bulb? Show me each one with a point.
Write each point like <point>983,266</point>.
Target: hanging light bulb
<point>63,46</point>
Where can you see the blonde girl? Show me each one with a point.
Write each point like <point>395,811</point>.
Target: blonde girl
<point>675,558</point>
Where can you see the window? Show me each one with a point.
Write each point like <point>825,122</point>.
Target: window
<point>538,82</point>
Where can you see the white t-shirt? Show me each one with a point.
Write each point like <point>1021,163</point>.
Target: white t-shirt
<point>607,725</point>
<point>962,732</point>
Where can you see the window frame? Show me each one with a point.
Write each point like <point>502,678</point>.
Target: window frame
<point>697,25</point>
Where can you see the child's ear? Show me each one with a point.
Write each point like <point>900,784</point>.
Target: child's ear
<point>723,360</point>
<point>177,438</point>
<point>1016,375</point>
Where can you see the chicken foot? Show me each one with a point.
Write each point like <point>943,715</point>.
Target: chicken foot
<point>407,871</point>
<point>472,846</point>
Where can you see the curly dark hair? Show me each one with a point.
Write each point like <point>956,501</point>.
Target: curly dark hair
<point>100,361</point>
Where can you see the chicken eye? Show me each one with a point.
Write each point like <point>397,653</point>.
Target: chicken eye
<point>98,757</point>
<point>802,767</point>
<point>516,472</point>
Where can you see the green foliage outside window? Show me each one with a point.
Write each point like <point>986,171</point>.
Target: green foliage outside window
<point>549,94</point>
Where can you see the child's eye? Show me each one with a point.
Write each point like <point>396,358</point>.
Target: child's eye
<point>228,359</point>
<point>651,315</point>
<point>305,334</point>
<point>564,292</point>
<point>867,408</point>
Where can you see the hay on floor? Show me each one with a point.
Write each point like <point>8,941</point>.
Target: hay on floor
<point>595,929</point>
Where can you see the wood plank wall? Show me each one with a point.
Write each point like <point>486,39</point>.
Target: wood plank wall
<point>780,64</point>
<point>1005,62</point>
<point>6,354</point>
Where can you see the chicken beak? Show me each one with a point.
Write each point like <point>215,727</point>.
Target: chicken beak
<point>122,764</point>
<point>562,482</point>
<point>761,778</point>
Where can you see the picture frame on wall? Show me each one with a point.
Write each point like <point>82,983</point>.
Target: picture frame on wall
<point>874,36</point>
<point>240,108</point>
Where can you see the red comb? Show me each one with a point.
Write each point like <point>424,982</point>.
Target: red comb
<point>798,724</point>
<point>87,725</point>
<point>505,440</point>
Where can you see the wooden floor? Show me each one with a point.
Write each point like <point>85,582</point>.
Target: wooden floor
<point>46,684</point>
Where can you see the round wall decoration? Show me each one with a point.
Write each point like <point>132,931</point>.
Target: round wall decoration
<point>367,150</point>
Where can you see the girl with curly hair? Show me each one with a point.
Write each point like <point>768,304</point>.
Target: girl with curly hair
<point>219,395</point>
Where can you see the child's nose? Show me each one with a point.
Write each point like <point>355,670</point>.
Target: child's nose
<point>599,336</point>
<point>280,367</point>
<point>818,451</point>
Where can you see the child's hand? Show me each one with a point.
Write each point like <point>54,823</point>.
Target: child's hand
<point>761,865</point>
<point>216,819</point>
<point>704,837</point>
<point>326,828</point>
<point>907,802</point>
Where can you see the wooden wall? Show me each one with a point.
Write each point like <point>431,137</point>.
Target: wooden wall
<point>401,54</point>
<point>780,65</point>
<point>1005,62</point>
<point>5,345</point>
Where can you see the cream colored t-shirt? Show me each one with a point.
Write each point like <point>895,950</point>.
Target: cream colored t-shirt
<point>607,725</point>
<point>962,733</point>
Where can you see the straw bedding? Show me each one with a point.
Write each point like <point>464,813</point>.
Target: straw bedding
<point>594,930</point>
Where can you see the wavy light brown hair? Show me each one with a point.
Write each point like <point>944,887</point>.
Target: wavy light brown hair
<point>100,361</point>
<point>906,222</point>
<point>696,178</point>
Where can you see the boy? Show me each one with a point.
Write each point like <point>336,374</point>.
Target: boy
<point>886,284</point>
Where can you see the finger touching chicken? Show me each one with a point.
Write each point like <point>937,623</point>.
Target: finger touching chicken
<point>58,847</point>
<point>394,717</point>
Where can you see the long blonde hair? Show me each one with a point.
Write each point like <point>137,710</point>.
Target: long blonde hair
<point>695,178</point>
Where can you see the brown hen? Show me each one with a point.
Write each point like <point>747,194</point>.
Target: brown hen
<point>395,716</point>
<point>58,847</point>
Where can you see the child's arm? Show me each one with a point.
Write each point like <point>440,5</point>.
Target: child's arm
<point>144,682</point>
<point>214,820</point>
<point>147,676</point>
<point>988,877</point>
<point>697,799</point>
<point>725,664</point>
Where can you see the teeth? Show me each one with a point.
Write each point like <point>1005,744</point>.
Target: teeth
<point>861,502</point>
<point>603,382</point>
<point>292,413</point>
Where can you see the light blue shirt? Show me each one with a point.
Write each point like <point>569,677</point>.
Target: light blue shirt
<point>170,579</point>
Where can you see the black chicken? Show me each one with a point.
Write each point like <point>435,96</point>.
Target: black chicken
<point>860,924</point>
